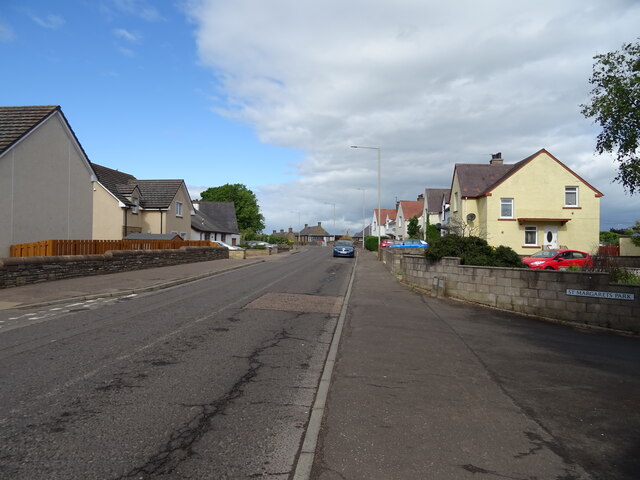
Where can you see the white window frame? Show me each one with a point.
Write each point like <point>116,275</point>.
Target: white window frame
<point>504,202</point>
<point>178,209</point>
<point>535,236</point>
<point>571,190</point>
<point>136,205</point>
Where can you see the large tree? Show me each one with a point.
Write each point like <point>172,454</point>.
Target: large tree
<point>246,205</point>
<point>615,105</point>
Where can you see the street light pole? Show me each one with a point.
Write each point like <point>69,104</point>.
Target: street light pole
<point>363,217</point>
<point>379,214</point>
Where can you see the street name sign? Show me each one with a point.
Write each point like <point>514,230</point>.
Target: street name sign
<point>595,294</point>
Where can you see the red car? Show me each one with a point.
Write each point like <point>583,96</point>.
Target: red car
<point>554,259</point>
<point>386,242</point>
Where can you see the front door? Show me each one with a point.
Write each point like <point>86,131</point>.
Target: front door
<point>550,237</point>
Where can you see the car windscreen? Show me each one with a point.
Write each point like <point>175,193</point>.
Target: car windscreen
<point>344,243</point>
<point>545,254</point>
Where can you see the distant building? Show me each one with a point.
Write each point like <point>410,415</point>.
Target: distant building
<point>289,235</point>
<point>314,235</point>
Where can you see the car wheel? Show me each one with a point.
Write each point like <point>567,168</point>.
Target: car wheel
<point>549,268</point>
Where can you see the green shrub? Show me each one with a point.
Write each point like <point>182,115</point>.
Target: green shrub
<point>507,257</point>
<point>433,234</point>
<point>622,275</point>
<point>371,243</point>
<point>473,251</point>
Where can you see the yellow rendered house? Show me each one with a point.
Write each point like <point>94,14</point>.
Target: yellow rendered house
<point>536,203</point>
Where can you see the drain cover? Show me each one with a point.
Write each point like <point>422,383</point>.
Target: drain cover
<point>294,302</point>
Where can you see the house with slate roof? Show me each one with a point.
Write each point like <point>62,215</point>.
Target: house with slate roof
<point>533,204</point>
<point>436,201</point>
<point>215,221</point>
<point>124,204</point>
<point>406,210</point>
<point>45,178</point>
<point>314,235</point>
<point>289,235</point>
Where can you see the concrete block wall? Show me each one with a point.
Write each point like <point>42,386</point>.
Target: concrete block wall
<point>22,271</point>
<point>541,293</point>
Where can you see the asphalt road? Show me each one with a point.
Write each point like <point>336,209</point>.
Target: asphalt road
<point>213,379</point>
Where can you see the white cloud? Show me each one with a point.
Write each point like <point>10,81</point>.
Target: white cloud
<point>126,35</point>
<point>6,33</point>
<point>48,21</point>
<point>432,83</point>
<point>139,8</point>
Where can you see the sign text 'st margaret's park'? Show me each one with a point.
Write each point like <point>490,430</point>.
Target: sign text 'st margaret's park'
<point>594,294</point>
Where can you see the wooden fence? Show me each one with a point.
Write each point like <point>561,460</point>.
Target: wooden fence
<point>49,248</point>
<point>609,250</point>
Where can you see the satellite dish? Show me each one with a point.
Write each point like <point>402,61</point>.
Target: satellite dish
<point>439,226</point>
<point>471,217</point>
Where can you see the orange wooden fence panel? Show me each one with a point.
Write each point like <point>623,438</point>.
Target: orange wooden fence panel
<point>48,248</point>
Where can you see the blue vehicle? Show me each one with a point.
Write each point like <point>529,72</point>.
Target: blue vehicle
<point>409,243</point>
<point>344,248</point>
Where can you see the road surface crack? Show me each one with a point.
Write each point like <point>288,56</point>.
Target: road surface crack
<point>180,444</point>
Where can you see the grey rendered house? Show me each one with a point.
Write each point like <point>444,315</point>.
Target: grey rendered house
<point>45,178</point>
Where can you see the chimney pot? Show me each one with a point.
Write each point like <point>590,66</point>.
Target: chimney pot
<point>496,159</point>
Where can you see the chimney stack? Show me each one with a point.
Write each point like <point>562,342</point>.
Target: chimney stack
<point>496,159</point>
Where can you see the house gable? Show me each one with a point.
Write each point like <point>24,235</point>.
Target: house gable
<point>45,178</point>
<point>523,164</point>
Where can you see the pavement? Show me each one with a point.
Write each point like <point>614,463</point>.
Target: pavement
<point>404,397</point>
<point>118,284</point>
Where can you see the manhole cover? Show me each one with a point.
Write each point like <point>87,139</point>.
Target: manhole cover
<point>294,302</point>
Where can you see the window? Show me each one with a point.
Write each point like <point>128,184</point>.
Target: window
<point>455,202</point>
<point>136,204</point>
<point>506,208</point>
<point>178,209</point>
<point>570,196</point>
<point>530,235</point>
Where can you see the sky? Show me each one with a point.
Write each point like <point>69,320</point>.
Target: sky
<point>271,94</point>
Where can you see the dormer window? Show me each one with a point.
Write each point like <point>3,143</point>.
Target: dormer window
<point>135,206</point>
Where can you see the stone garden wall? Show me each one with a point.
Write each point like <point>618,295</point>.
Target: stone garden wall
<point>22,271</point>
<point>584,298</point>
